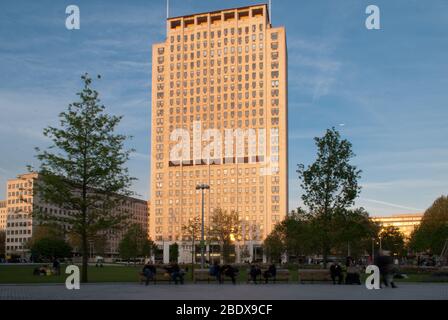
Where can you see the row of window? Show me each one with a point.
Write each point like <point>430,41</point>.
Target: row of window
<point>226,32</point>
<point>226,41</point>
<point>20,185</point>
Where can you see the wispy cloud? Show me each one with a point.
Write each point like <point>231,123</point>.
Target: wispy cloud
<point>389,204</point>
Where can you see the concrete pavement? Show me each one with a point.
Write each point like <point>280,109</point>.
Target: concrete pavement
<point>134,291</point>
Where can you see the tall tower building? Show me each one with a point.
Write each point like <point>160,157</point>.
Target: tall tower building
<point>219,117</point>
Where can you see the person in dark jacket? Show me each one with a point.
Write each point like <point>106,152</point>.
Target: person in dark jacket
<point>56,266</point>
<point>270,273</point>
<point>230,272</point>
<point>336,272</point>
<point>215,271</point>
<point>384,262</point>
<point>176,274</point>
<point>254,273</point>
<point>149,272</point>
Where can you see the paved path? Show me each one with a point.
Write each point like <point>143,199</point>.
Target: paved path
<point>123,291</point>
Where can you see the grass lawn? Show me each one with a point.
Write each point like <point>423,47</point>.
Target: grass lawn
<point>24,274</point>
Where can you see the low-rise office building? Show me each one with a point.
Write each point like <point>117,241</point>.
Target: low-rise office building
<point>406,223</point>
<point>20,224</point>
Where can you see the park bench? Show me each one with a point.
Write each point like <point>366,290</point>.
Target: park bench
<point>204,275</point>
<point>314,275</point>
<point>281,275</point>
<point>161,276</point>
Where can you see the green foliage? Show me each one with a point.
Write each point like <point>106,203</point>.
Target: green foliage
<point>330,186</point>
<point>49,247</point>
<point>354,232</point>
<point>192,229</point>
<point>83,171</point>
<point>174,252</point>
<point>392,240</point>
<point>299,234</point>
<point>225,227</point>
<point>135,243</point>
<point>273,246</point>
<point>433,230</point>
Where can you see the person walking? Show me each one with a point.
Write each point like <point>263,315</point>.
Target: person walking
<point>384,262</point>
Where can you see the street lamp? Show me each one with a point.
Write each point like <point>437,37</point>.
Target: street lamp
<point>202,187</point>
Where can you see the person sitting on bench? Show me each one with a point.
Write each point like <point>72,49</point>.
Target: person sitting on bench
<point>215,271</point>
<point>230,272</point>
<point>176,273</point>
<point>149,272</point>
<point>254,273</point>
<point>270,273</point>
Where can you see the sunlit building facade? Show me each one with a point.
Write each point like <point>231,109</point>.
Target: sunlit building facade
<point>22,200</point>
<point>2,214</point>
<point>406,223</point>
<point>220,82</point>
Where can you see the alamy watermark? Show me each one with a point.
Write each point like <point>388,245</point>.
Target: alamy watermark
<point>210,146</point>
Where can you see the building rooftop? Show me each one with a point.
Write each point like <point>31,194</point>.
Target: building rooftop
<point>223,10</point>
<point>399,216</point>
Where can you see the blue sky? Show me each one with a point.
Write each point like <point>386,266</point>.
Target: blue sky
<point>388,87</point>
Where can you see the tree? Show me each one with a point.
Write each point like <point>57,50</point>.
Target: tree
<point>192,231</point>
<point>83,171</point>
<point>47,230</point>
<point>97,243</point>
<point>392,240</point>
<point>433,230</point>
<point>330,185</point>
<point>50,247</point>
<point>174,252</point>
<point>354,232</point>
<point>293,236</point>
<point>135,243</point>
<point>225,228</point>
<point>274,246</point>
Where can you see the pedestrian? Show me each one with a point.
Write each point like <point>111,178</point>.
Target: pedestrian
<point>384,262</point>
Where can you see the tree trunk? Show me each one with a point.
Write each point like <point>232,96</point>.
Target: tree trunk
<point>326,251</point>
<point>85,258</point>
<point>325,258</point>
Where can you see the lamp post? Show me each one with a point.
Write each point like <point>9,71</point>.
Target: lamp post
<point>202,187</point>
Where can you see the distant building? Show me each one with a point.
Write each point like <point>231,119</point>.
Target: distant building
<point>22,201</point>
<point>406,223</point>
<point>2,214</point>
